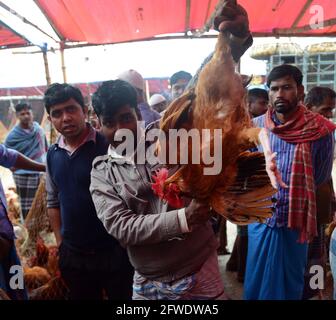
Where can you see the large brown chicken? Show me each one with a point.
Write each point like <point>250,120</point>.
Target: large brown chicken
<point>242,190</point>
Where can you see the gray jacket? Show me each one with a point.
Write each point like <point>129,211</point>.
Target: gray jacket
<point>129,210</point>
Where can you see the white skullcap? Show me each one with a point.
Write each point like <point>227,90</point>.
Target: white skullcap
<point>133,77</point>
<point>155,99</point>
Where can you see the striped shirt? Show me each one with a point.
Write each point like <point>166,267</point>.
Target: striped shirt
<point>322,159</point>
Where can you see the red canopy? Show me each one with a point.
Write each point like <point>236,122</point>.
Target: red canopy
<point>292,18</point>
<point>9,38</point>
<point>110,21</point>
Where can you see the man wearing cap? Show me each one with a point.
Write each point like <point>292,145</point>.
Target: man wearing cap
<point>135,79</point>
<point>158,103</point>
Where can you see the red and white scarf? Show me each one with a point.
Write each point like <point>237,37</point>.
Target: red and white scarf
<point>301,129</point>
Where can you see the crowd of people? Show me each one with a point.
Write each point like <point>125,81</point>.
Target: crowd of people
<point>117,240</point>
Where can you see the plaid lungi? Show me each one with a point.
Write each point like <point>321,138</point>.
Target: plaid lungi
<point>206,284</point>
<point>26,187</point>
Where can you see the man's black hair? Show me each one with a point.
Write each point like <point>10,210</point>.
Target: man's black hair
<point>111,95</point>
<point>254,94</point>
<point>179,75</point>
<point>283,71</point>
<point>21,106</point>
<point>60,93</point>
<point>315,96</point>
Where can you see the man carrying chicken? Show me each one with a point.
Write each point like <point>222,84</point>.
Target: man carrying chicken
<point>173,251</point>
<point>303,141</point>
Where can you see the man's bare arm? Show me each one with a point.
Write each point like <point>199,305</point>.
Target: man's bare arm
<point>56,223</point>
<point>23,162</point>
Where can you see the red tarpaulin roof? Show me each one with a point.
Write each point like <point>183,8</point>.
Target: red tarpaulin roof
<point>110,21</point>
<point>289,17</point>
<point>9,38</point>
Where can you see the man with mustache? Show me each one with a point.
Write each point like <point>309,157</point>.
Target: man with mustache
<point>320,100</point>
<point>303,141</point>
<point>178,82</point>
<point>92,263</point>
<point>28,138</point>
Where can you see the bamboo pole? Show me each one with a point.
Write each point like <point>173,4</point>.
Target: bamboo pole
<point>52,135</point>
<point>147,90</point>
<point>46,66</point>
<point>187,17</point>
<point>63,62</point>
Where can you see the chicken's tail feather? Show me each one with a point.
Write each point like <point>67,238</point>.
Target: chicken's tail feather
<point>249,198</point>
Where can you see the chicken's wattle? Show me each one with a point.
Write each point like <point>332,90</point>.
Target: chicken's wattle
<point>170,193</point>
